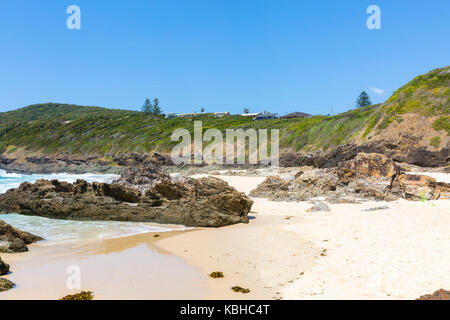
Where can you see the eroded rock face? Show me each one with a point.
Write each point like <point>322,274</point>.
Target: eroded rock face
<point>144,176</point>
<point>207,202</point>
<point>368,165</point>
<point>398,150</point>
<point>367,176</point>
<point>14,240</point>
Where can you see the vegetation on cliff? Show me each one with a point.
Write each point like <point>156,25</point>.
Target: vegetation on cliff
<point>54,128</point>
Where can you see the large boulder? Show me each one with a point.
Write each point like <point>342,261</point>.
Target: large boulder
<point>15,240</point>
<point>207,202</point>
<point>373,165</point>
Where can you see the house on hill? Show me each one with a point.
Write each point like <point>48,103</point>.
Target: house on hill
<point>296,115</point>
<point>221,114</point>
<point>251,115</point>
<point>264,116</point>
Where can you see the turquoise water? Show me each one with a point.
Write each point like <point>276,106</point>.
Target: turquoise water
<point>65,230</point>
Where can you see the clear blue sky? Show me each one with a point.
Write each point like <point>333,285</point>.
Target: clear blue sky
<point>280,56</point>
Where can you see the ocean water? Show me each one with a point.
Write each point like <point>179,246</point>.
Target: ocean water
<point>66,230</point>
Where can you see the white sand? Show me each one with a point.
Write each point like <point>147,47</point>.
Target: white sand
<point>398,253</point>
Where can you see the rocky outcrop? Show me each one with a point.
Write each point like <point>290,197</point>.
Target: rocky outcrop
<point>367,176</point>
<point>4,268</point>
<point>437,295</point>
<point>397,150</point>
<point>73,163</point>
<point>143,177</point>
<point>15,240</point>
<point>207,202</point>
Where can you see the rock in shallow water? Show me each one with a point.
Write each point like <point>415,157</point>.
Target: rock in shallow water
<point>207,202</point>
<point>13,239</point>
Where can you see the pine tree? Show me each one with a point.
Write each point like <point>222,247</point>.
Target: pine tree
<point>156,107</point>
<point>147,107</point>
<point>363,100</point>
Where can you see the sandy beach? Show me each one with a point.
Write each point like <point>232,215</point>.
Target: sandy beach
<point>347,253</point>
<point>284,252</point>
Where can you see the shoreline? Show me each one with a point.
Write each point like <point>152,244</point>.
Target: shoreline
<point>129,267</point>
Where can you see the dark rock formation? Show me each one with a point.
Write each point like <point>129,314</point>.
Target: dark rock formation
<point>4,268</point>
<point>206,202</point>
<point>14,240</point>
<point>425,158</point>
<point>5,285</point>
<point>399,152</point>
<point>369,176</point>
<point>437,295</point>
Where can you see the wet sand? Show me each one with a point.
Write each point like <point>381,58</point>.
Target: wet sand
<point>121,268</point>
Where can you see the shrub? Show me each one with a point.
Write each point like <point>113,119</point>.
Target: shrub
<point>435,141</point>
<point>442,123</point>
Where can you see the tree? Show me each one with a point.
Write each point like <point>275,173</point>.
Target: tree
<point>202,110</point>
<point>152,108</point>
<point>148,106</point>
<point>156,107</point>
<point>363,100</point>
<point>246,110</point>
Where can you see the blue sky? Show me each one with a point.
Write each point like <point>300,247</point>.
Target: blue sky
<point>280,56</point>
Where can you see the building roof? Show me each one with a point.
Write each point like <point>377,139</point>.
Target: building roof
<point>251,114</point>
<point>297,114</point>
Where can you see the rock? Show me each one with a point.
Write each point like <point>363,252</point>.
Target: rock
<point>376,208</point>
<point>368,165</point>
<point>319,206</point>
<point>143,177</point>
<point>4,268</point>
<point>207,202</point>
<point>424,158</point>
<point>366,176</point>
<point>437,295</point>
<point>403,150</point>
<point>14,240</point>
<point>5,285</point>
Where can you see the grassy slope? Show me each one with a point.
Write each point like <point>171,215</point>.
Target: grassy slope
<point>94,130</point>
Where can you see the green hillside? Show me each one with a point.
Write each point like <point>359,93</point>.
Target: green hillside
<point>54,128</point>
